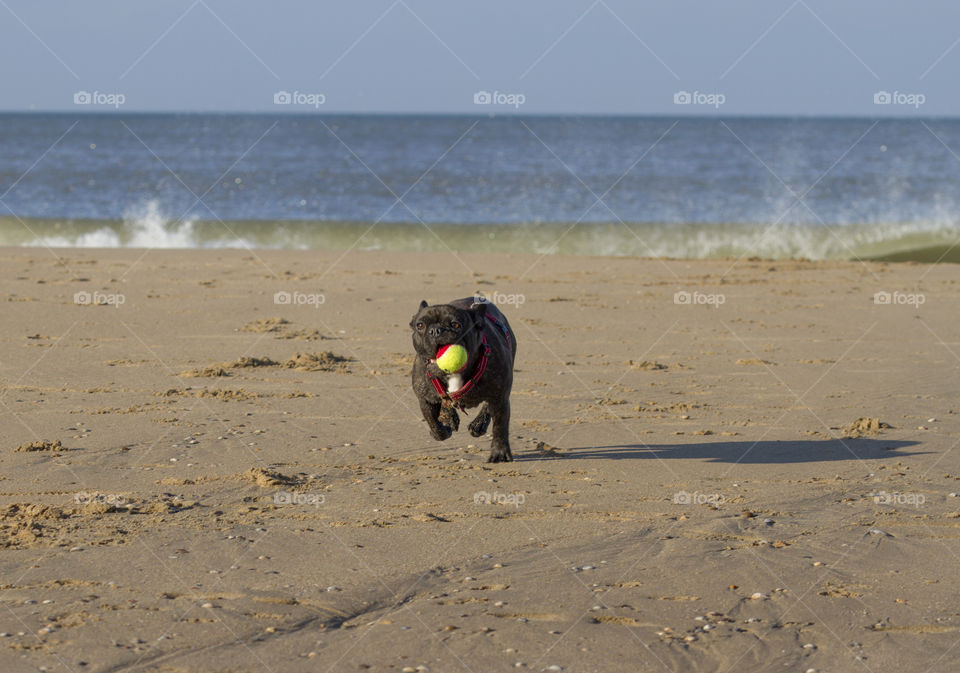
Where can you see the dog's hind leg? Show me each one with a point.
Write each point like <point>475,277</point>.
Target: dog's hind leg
<point>478,426</point>
<point>500,446</point>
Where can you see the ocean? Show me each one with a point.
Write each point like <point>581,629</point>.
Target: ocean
<point>688,187</point>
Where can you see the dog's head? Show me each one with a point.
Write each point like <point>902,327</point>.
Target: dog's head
<point>442,324</point>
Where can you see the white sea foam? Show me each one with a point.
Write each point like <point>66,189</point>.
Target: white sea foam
<point>143,226</point>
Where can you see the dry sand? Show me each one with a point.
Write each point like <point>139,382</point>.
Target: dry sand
<point>200,479</point>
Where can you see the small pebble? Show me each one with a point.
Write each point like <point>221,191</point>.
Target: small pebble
<point>554,667</point>
<point>499,604</point>
<point>758,596</point>
<point>809,646</point>
<point>207,605</point>
<point>818,563</point>
<point>690,639</point>
<point>588,567</point>
<point>931,420</point>
<point>769,522</point>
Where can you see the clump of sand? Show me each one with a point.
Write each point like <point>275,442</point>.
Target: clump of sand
<point>307,362</point>
<point>266,325</point>
<point>207,372</point>
<point>227,395</point>
<point>318,362</point>
<point>864,426</point>
<point>41,446</point>
<point>254,362</point>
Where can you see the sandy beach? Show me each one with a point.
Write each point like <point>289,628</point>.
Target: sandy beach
<point>720,466</point>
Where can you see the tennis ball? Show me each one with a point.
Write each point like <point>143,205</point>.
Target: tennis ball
<point>452,358</point>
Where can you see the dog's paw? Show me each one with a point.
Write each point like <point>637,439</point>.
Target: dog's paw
<point>441,432</point>
<point>500,456</point>
<point>451,418</point>
<point>478,426</point>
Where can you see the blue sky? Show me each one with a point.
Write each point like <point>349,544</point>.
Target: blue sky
<point>793,57</point>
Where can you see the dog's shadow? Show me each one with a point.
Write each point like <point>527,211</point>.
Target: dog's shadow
<point>746,452</point>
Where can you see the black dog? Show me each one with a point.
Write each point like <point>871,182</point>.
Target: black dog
<point>486,379</point>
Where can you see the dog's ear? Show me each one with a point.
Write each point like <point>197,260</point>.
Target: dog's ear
<point>423,305</point>
<point>479,311</point>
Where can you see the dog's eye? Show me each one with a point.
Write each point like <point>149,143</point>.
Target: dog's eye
<point>419,326</point>
<point>455,325</point>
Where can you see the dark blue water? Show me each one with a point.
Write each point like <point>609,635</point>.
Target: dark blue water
<point>717,182</point>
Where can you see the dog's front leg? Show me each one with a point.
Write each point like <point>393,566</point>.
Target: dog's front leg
<point>500,447</point>
<point>431,412</point>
